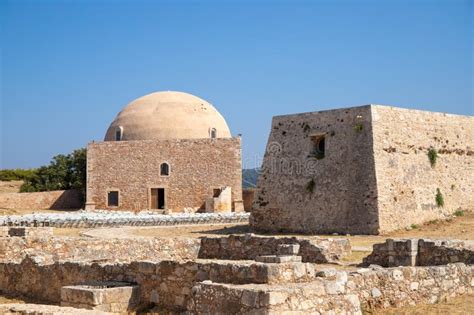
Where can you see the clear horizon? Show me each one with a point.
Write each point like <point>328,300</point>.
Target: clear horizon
<point>69,67</point>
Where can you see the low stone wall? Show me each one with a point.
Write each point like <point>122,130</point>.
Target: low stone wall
<point>249,246</point>
<point>55,200</point>
<point>204,286</point>
<point>14,249</point>
<point>165,283</point>
<point>443,252</point>
<point>419,252</point>
<point>341,293</point>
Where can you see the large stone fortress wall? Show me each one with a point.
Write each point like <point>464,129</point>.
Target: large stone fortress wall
<point>407,183</point>
<point>133,167</point>
<point>344,194</point>
<point>375,175</point>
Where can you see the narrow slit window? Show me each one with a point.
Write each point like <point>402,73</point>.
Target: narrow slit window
<point>164,169</point>
<point>113,198</point>
<point>118,134</point>
<point>213,133</point>
<point>319,146</point>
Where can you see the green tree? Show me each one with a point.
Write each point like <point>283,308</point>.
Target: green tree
<point>64,172</point>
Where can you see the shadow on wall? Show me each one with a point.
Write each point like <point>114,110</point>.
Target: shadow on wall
<point>69,199</point>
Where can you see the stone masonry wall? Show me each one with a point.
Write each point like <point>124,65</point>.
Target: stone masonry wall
<point>14,249</point>
<point>54,200</point>
<point>300,193</point>
<point>407,183</point>
<point>197,166</point>
<point>204,287</point>
<point>419,252</point>
<point>339,293</point>
<point>165,283</point>
<point>246,247</point>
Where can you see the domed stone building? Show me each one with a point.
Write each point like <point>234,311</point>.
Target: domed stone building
<point>170,151</point>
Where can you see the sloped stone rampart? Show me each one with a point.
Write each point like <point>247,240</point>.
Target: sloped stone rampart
<point>46,200</point>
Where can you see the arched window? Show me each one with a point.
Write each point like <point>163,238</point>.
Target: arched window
<point>164,169</point>
<point>118,133</point>
<point>213,133</point>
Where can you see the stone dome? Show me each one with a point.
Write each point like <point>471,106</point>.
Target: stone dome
<point>168,115</point>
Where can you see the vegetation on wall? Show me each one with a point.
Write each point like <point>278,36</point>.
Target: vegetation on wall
<point>306,127</point>
<point>64,172</point>
<point>439,198</point>
<point>310,186</point>
<point>433,156</point>
<point>317,154</point>
<point>358,127</point>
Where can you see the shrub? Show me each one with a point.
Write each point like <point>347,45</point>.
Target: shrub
<point>439,198</point>
<point>415,226</point>
<point>433,156</point>
<point>16,174</point>
<point>358,127</point>
<point>64,172</point>
<point>459,213</point>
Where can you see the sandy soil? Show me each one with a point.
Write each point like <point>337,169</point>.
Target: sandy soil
<point>11,186</point>
<point>10,300</point>
<point>459,305</point>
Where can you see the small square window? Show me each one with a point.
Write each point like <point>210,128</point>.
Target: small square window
<point>113,198</point>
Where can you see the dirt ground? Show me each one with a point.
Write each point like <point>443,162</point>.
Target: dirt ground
<point>460,305</point>
<point>11,186</point>
<point>10,300</point>
<point>461,228</point>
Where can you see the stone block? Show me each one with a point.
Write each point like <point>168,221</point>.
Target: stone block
<point>104,296</point>
<point>278,259</point>
<point>288,249</point>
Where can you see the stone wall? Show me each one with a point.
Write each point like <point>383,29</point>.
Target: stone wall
<point>339,293</point>
<point>166,283</point>
<point>236,247</point>
<point>197,166</point>
<point>14,249</point>
<point>298,192</point>
<point>54,200</point>
<point>419,252</point>
<point>375,175</point>
<point>407,183</point>
<point>248,196</point>
<point>204,287</point>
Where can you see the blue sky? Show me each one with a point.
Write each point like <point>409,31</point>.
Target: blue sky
<point>68,67</point>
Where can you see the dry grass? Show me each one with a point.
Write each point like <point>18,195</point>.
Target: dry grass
<point>10,300</point>
<point>11,186</point>
<point>459,305</point>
